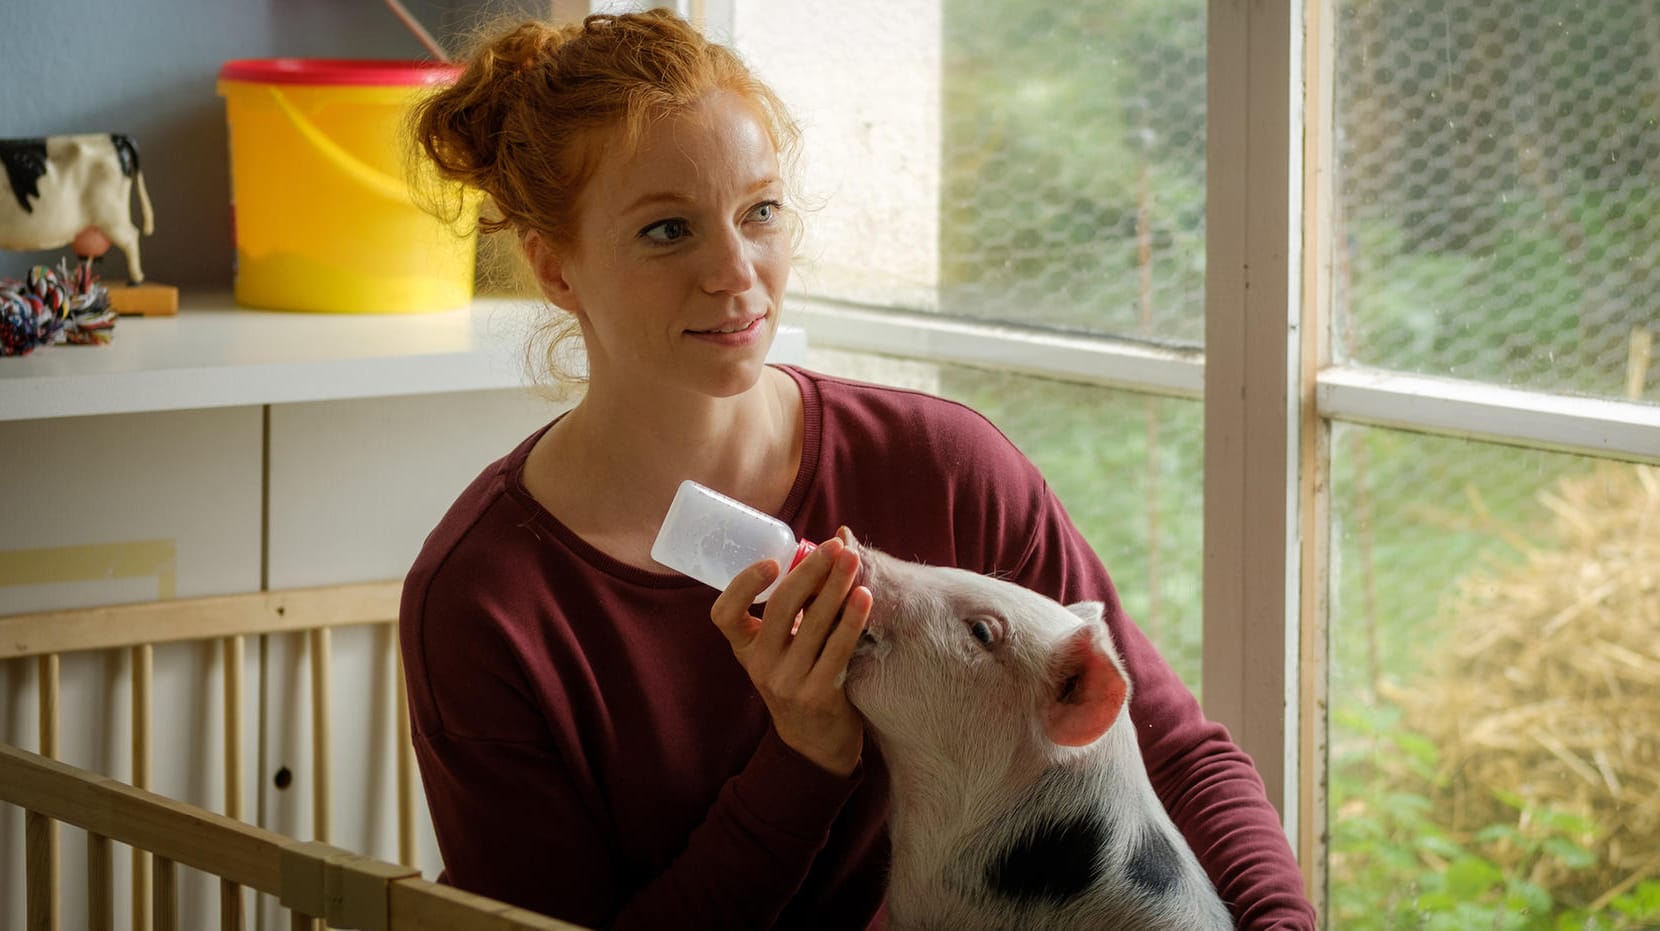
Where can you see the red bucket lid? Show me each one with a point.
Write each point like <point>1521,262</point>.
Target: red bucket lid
<point>336,71</point>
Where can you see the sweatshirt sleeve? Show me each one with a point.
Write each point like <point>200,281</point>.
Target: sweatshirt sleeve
<point>1208,784</point>
<point>744,864</point>
<point>512,827</point>
<point>519,818</point>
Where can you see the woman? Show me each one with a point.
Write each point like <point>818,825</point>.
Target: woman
<point>592,746</point>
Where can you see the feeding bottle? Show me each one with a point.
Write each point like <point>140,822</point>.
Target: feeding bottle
<point>712,538</point>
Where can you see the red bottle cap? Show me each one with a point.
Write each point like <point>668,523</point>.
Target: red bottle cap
<point>801,550</point>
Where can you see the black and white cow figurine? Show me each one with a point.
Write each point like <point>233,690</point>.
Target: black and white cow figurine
<point>62,186</point>
<point>1019,795</point>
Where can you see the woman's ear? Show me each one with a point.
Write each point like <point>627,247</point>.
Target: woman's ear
<point>548,265</point>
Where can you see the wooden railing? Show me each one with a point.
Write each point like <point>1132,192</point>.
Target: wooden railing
<point>314,880</point>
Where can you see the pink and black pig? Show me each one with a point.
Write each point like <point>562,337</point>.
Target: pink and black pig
<point>1019,797</point>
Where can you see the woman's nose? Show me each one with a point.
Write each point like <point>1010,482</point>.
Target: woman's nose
<point>731,264</point>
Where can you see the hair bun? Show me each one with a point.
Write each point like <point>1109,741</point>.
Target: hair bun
<point>464,126</point>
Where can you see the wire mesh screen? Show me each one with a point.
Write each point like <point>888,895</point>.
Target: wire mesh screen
<point>1498,171</point>
<point>1494,721</point>
<point>1128,468</point>
<point>1073,174</point>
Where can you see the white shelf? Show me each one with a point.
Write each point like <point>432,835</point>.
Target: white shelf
<point>217,354</point>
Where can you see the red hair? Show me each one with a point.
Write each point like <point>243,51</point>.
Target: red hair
<point>524,121</point>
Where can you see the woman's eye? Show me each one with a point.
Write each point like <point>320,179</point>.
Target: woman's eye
<point>981,632</point>
<point>666,231</point>
<point>765,212</point>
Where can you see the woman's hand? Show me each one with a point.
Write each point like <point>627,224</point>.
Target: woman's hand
<point>798,669</point>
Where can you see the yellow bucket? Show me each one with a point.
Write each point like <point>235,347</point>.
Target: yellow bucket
<point>321,200</point>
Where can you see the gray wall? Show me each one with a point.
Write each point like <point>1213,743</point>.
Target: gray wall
<point>147,68</point>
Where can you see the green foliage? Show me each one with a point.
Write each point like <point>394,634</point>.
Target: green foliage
<point>1518,142</point>
<point>1394,862</point>
<point>1066,126</point>
<point>1405,535</point>
<point>1394,866</point>
<point>1525,306</point>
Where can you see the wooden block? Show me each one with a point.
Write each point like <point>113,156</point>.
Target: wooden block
<point>149,299</point>
<point>418,905</point>
<point>303,866</point>
<point>358,891</point>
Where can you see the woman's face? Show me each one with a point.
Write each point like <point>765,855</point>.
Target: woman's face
<point>682,254</point>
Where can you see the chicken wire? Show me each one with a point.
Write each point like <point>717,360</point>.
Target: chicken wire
<point>1497,169</point>
<point>1498,163</point>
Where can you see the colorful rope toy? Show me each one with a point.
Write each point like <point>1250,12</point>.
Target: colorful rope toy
<point>50,305</point>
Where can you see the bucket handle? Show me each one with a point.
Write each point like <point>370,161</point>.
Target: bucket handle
<point>369,176</point>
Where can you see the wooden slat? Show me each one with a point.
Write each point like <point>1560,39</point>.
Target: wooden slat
<point>207,841</point>
<point>47,668</point>
<point>39,876</point>
<point>166,895</point>
<point>230,652</point>
<point>320,734</point>
<point>405,774</point>
<point>100,883</point>
<point>141,890</point>
<point>48,693</point>
<point>299,922</point>
<point>231,658</point>
<point>197,618</point>
<point>230,906</point>
<point>143,668</point>
<point>143,671</point>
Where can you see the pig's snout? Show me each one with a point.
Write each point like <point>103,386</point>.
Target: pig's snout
<point>870,639</point>
<point>884,603</point>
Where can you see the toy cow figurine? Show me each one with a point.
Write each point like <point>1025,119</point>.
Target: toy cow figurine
<point>73,189</point>
<point>1020,799</point>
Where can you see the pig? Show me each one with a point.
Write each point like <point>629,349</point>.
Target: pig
<point>1019,796</point>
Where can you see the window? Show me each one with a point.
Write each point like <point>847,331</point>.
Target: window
<point>1497,173</point>
<point>1073,166</point>
<point>969,164</point>
<point>1373,281</point>
<point>1492,631</point>
<point>1495,200</point>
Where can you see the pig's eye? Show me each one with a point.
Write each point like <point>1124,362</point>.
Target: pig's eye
<point>983,630</point>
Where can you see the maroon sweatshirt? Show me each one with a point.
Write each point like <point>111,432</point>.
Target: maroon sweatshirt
<point>592,750</point>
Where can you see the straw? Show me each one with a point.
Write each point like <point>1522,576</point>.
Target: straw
<point>1547,688</point>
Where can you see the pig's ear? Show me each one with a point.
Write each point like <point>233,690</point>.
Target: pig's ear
<point>1087,690</point>
<point>1092,612</point>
